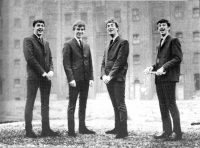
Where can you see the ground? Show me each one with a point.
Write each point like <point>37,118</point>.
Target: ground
<point>143,122</point>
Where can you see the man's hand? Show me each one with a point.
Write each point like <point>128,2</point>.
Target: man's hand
<point>106,79</point>
<point>46,75</point>
<point>160,71</point>
<point>50,75</point>
<point>72,83</point>
<point>148,70</point>
<point>91,83</point>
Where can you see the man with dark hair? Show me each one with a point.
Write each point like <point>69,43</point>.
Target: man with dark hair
<point>113,73</point>
<point>40,71</point>
<point>77,62</point>
<point>167,70</point>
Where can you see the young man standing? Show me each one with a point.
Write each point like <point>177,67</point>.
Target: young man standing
<point>40,71</point>
<point>77,62</point>
<point>113,73</point>
<point>167,70</point>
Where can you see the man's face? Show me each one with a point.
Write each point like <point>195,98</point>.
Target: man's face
<point>163,29</point>
<point>79,32</point>
<point>111,29</point>
<point>38,29</point>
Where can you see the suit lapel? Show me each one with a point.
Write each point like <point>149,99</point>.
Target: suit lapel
<point>43,50</point>
<point>110,46</point>
<point>165,41</point>
<point>77,46</point>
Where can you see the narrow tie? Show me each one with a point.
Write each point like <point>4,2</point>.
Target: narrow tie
<point>161,41</point>
<point>111,41</point>
<point>81,45</point>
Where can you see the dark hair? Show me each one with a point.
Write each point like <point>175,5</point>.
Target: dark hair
<point>79,23</point>
<point>164,21</point>
<point>38,21</point>
<point>112,20</point>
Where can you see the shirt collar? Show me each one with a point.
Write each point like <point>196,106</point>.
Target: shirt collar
<point>164,37</point>
<point>38,36</point>
<point>115,38</point>
<point>78,40</point>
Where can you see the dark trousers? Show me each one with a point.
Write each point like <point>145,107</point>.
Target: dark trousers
<point>81,89</point>
<point>167,103</point>
<point>116,90</point>
<point>32,87</point>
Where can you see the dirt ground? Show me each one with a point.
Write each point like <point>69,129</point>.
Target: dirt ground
<point>143,122</point>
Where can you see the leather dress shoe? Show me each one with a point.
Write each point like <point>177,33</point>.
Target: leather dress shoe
<point>31,134</point>
<point>49,132</point>
<point>86,131</point>
<point>121,135</point>
<point>174,137</point>
<point>113,131</point>
<point>72,134</point>
<point>164,135</point>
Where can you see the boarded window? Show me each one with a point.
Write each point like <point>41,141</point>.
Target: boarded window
<point>197,81</point>
<point>178,12</point>
<point>196,57</point>
<point>136,59</point>
<point>31,19</point>
<point>196,36</point>
<point>117,15</point>
<point>17,44</point>
<point>68,18</point>
<point>17,83</point>
<point>136,39</point>
<point>195,12</point>
<point>17,23</point>
<point>84,17</point>
<point>17,62</point>
<point>135,14</point>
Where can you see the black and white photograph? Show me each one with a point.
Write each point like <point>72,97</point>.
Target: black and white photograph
<point>100,73</point>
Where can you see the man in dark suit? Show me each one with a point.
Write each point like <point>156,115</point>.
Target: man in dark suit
<point>167,70</point>
<point>113,73</point>
<point>40,71</point>
<point>77,62</point>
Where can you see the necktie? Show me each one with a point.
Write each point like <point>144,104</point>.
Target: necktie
<point>81,45</point>
<point>111,41</point>
<point>161,41</point>
<point>41,40</point>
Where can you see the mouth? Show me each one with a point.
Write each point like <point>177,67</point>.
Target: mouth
<point>162,30</point>
<point>110,30</point>
<point>40,30</point>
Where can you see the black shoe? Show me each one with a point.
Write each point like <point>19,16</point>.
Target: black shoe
<point>72,134</point>
<point>113,131</point>
<point>164,135</point>
<point>31,134</point>
<point>49,132</point>
<point>86,131</point>
<point>121,135</point>
<point>174,137</point>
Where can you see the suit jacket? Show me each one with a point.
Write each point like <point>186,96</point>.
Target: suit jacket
<point>38,57</point>
<point>114,61</point>
<point>169,56</point>
<point>77,61</point>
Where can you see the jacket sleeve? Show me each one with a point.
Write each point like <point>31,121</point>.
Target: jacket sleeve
<point>121,60</point>
<point>30,58</point>
<point>91,66</point>
<point>67,62</point>
<point>103,65</point>
<point>50,60</point>
<point>176,54</point>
